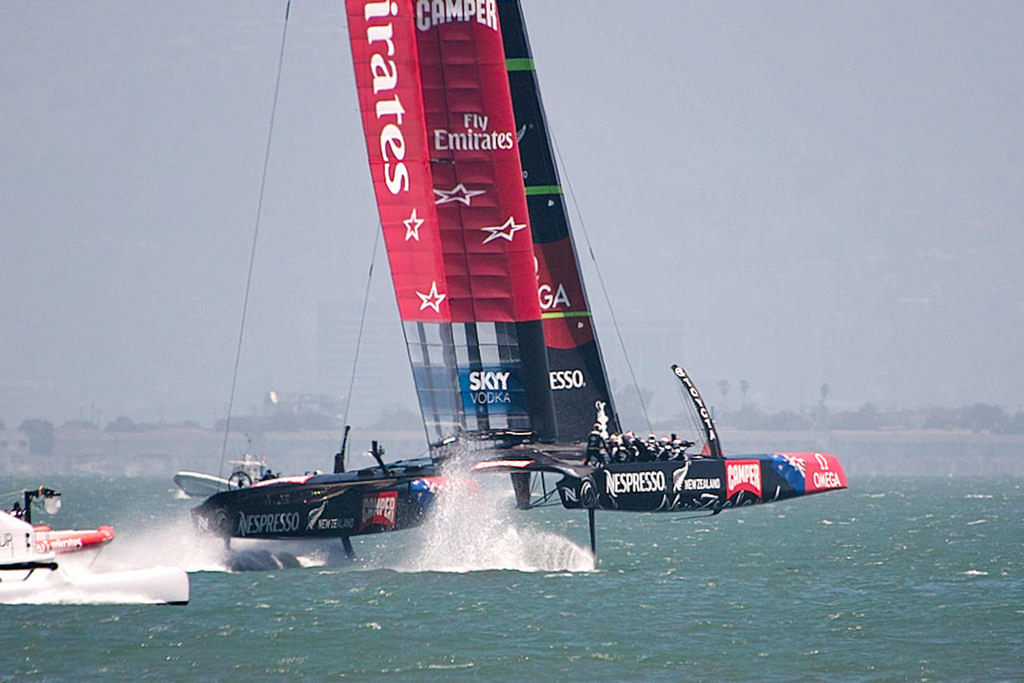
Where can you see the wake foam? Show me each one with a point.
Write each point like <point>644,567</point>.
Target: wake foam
<point>171,543</point>
<point>471,527</point>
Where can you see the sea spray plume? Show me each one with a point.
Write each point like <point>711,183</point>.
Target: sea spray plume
<point>473,526</point>
<point>160,542</point>
<point>147,539</point>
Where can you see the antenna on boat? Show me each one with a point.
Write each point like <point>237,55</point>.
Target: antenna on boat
<point>378,452</point>
<point>339,458</point>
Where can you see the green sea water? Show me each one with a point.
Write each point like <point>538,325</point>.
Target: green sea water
<point>895,579</point>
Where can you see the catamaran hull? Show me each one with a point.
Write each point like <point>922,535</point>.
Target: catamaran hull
<point>323,506</point>
<point>709,484</point>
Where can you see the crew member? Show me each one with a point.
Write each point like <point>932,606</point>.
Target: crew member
<point>595,447</point>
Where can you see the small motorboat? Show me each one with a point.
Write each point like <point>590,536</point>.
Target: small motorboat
<point>30,573</point>
<point>63,540</point>
<point>199,484</point>
<point>244,473</point>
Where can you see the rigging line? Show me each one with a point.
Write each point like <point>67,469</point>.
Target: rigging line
<point>255,235</point>
<point>12,494</point>
<point>600,280</point>
<point>362,322</point>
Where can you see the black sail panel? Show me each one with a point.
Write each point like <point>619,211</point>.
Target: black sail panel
<point>578,378</point>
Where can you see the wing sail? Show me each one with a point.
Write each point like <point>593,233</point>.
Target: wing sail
<point>444,156</point>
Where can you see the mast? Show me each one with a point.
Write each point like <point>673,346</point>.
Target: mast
<point>578,379</point>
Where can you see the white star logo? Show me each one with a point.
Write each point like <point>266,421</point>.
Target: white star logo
<point>459,193</point>
<point>505,231</point>
<point>431,299</point>
<point>412,226</point>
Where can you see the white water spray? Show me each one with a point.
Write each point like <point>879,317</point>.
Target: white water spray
<point>474,526</point>
<point>171,543</point>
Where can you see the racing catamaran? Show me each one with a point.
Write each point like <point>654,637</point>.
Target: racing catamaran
<point>505,358</point>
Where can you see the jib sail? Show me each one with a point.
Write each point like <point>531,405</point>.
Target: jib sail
<point>578,377</point>
<point>446,170</point>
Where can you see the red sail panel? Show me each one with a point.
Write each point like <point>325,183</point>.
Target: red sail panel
<point>440,129</point>
<point>383,39</point>
<point>567,319</point>
<point>441,139</point>
<point>477,173</point>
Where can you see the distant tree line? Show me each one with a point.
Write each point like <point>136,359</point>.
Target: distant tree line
<point>980,417</point>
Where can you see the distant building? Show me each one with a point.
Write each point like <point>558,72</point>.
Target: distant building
<point>14,442</point>
<point>275,404</point>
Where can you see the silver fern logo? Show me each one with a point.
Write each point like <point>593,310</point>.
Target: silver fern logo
<point>314,515</point>
<point>679,476</point>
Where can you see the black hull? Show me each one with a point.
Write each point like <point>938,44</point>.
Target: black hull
<point>322,506</point>
<point>693,484</point>
<point>702,484</point>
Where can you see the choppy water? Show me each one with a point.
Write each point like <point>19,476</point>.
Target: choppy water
<point>895,579</point>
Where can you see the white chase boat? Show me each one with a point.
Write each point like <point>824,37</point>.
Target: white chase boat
<point>30,574</point>
<point>245,472</point>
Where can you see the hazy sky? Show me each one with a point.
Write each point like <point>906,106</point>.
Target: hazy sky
<point>790,193</point>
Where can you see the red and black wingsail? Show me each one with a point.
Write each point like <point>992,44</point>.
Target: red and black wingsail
<point>578,378</point>
<point>489,288</point>
<point>445,162</point>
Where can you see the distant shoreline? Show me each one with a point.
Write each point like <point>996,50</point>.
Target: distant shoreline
<point>162,452</point>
